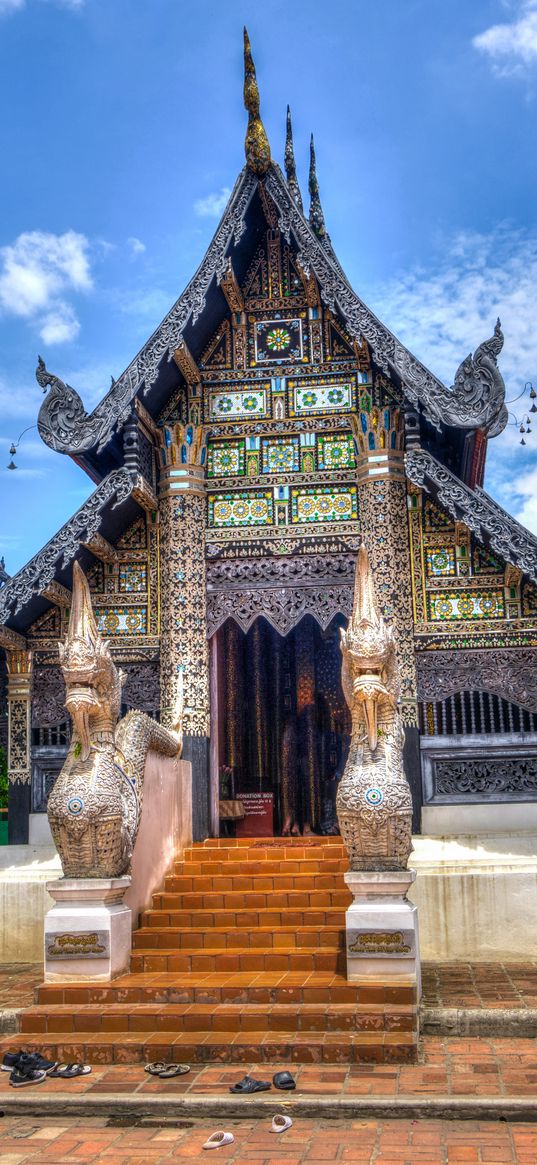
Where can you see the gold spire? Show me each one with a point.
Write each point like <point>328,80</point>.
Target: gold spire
<point>290,165</point>
<point>256,143</point>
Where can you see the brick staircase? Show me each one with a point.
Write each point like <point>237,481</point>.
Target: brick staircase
<point>240,960</point>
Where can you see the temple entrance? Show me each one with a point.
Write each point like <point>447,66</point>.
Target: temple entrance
<point>282,725</point>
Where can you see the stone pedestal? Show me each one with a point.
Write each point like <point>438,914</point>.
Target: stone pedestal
<point>88,930</point>
<point>382,940</point>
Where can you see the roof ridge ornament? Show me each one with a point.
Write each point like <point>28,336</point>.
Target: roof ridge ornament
<point>290,165</point>
<point>256,144</point>
<point>62,413</point>
<point>316,215</point>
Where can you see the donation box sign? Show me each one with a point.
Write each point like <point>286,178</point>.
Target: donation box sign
<point>258,819</point>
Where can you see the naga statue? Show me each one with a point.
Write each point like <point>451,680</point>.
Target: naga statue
<point>374,804</point>
<point>94,809</point>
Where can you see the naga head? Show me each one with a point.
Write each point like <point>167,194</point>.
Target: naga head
<point>92,681</point>
<point>368,648</point>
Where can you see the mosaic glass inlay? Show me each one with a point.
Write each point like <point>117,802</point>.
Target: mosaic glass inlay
<point>280,456</point>
<point>486,562</point>
<point>226,459</point>
<point>251,508</point>
<point>324,504</point>
<point>133,577</point>
<point>329,396</point>
<point>435,519</point>
<point>239,403</point>
<point>121,620</point>
<point>440,560</point>
<point>444,606</point>
<point>278,341</point>
<point>335,451</point>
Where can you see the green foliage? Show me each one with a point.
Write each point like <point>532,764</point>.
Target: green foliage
<point>3,779</point>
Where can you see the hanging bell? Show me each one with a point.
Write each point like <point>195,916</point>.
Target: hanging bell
<point>522,442</point>
<point>522,429</point>
<point>533,393</point>
<point>12,464</point>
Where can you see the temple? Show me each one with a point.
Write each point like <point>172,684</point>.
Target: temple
<point>268,427</point>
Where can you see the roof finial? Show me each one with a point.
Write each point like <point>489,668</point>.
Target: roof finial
<point>256,143</point>
<point>316,210</point>
<point>290,165</point>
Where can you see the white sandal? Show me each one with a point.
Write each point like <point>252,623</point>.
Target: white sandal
<point>217,1139</point>
<point>280,1123</point>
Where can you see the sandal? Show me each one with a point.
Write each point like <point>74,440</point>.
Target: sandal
<point>69,1071</point>
<point>155,1069</point>
<point>280,1123</point>
<point>284,1080</point>
<point>248,1084</point>
<point>169,1070</point>
<point>217,1139</point>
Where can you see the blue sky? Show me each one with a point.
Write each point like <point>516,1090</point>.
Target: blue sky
<point>125,129</point>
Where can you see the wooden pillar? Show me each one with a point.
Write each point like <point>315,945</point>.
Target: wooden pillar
<point>183,614</point>
<point>19,695</point>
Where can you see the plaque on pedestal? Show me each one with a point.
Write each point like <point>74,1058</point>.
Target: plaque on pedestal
<point>88,930</point>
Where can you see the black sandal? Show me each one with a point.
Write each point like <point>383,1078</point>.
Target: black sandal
<point>284,1080</point>
<point>169,1070</point>
<point>248,1084</point>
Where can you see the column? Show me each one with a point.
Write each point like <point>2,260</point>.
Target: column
<point>19,694</point>
<point>183,622</point>
<point>383,511</point>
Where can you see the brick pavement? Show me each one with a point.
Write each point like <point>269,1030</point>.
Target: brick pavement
<point>308,1142</point>
<point>446,1067</point>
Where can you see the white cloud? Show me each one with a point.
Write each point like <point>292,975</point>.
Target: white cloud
<point>511,46</point>
<point>136,246</point>
<point>213,205</point>
<point>60,325</point>
<point>7,7</point>
<point>35,273</point>
<point>443,315</point>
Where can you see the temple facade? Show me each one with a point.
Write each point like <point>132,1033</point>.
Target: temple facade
<point>268,427</point>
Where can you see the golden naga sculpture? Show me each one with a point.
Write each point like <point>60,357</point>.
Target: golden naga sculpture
<point>374,804</point>
<point>95,806</point>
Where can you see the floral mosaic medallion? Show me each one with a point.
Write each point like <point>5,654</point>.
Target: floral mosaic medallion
<point>278,341</point>
<point>335,451</point>
<point>226,458</point>
<point>280,456</point>
<point>239,404</point>
<point>133,578</point>
<point>322,396</point>
<point>440,560</point>
<point>328,504</point>
<point>121,620</point>
<point>444,606</point>
<point>252,508</point>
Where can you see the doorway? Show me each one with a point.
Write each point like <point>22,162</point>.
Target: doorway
<point>282,724</point>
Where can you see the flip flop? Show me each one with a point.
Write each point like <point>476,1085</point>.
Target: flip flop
<point>284,1080</point>
<point>217,1139</point>
<point>248,1084</point>
<point>69,1071</point>
<point>170,1070</point>
<point>280,1123</point>
<point>155,1069</point>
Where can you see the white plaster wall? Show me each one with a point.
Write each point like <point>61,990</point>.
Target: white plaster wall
<point>24,901</point>
<point>476,896</point>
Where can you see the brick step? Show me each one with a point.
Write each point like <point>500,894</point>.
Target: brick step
<point>239,959</point>
<point>219,883</point>
<point>243,919</point>
<point>246,900</point>
<point>216,937</point>
<point>206,1017</point>
<point>231,1047</point>
<point>293,846</point>
<point>246,988</point>
<point>217,867</point>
